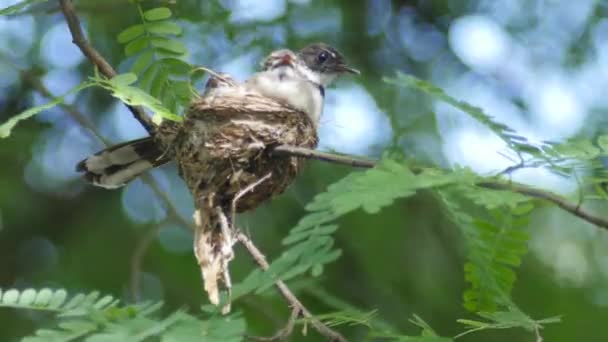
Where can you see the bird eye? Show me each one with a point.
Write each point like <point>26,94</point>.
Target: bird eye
<point>322,57</point>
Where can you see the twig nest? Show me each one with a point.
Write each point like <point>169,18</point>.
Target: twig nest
<point>224,146</point>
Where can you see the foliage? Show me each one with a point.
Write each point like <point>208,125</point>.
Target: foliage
<point>121,87</point>
<point>158,58</point>
<point>505,320</point>
<point>515,141</point>
<point>13,9</point>
<point>7,127</point>
<point>493,224</point>
<point>495,247</point>
<point>102,318</point>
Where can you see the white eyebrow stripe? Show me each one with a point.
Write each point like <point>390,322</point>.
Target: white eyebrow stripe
<point>333,55</point>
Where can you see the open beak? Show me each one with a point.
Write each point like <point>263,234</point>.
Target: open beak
<point>286,60</point>
<point>346,68</point>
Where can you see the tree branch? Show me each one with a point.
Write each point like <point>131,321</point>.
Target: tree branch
<point>284,332</point>
<point>294,302</point>
<point>139,252</point>
<point>78,38</point>
<point>572,208</point>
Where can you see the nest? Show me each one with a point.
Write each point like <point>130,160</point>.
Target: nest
<point>225,147</point>
<point>223,154</point>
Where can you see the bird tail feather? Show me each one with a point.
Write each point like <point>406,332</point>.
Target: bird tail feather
<point>117,165</point>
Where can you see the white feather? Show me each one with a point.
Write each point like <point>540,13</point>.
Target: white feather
<point>284,84</point>
<point>121,177</point>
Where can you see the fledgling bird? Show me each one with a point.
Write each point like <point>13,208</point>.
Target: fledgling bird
<point>221,148</point>
<point>297,91</point>
<point>233,151</point>
<point>295,80</point>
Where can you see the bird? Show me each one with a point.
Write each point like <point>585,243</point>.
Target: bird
<point>223,157</point>
<point>297,80</point>
<point>221,148</point>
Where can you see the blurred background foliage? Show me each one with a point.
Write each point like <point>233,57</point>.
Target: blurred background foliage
<point>539,66</point>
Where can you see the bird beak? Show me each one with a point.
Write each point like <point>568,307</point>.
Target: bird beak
<point>346,68</point>
<point>286,60</point>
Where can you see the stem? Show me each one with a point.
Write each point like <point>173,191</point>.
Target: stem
<point>574,209</point>
<point>78,38</point>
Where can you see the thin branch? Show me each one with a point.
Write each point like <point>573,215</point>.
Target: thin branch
<point>572,208</point>
<point>29,78</point>
<point>548,196</point>
<point>242,193</point>
<point>294,302</point>
<point>139,252</point>
<point>78,38</point>
<point>539,337</point>
<point>285,150</point>
<point>284,332</point>
<point>171,209</point>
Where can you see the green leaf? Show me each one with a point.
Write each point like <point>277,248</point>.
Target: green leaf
<point>602,142</point>
<point>7,127</point>
<point>103,302</point>
<point>495,248</point>
<point>166,44</point>
<point>378,187</point>
<point>176,66</point>
<point>27,297</point>
<point>125,79</point>
<point>13,9</point>
<point>142,61</point>
<point>43,297</point>
<point>159,83</point>
<point>130,33</point>
<point>512,318</point>
<point>169,98</point>
<point>156,14</point>
<point>503,131</point>
<point>578,149</point>
<point>492,199</point>
<point>75,301</point>
<point>137,45</point>
<point>10,297</point>
<point>136,97</point>
<point>182,91</point>
<point>164,28</point>
<point>148,77</point>
<point>58,299</point>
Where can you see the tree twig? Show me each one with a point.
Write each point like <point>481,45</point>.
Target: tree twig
<point>30,78</point>
<point>574,209</point>
<point>294,302</point>
<point>139,252</point>
<point>284,332</point>
<point>78,38</point>
<point>285,150</point>
<point>242,193</point>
